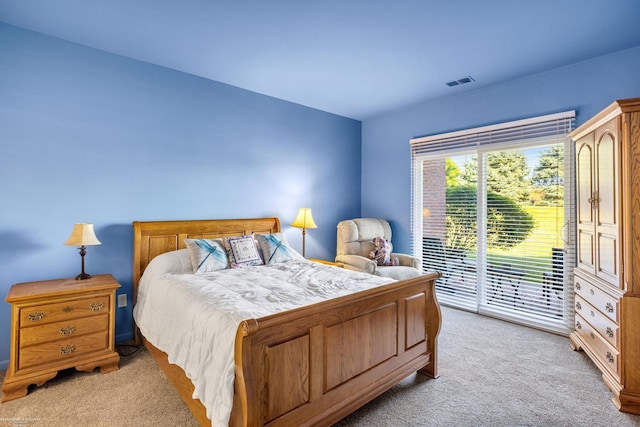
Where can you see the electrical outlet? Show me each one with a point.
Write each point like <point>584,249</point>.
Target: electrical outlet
<point>122,300</point>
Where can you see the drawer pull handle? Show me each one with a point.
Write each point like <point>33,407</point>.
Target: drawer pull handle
<point>97,306</point>
<point>67,349</point>
<point>67,309</point>
<point>592,314</point>
<point>578,287</point>
<point>593,336</point>
<point>578,305</point>
<point>38,315</point>
<point>609,357</point>
<point>592,291</point>
<point>609,307</point>
<point>67,330</point>
<point>578,325</point>
<point>609,332</point>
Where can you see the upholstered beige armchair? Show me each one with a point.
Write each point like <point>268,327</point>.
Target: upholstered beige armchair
<point>355,243</point>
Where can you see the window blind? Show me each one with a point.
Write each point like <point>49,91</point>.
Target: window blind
<point>549,126</point>
<point>492,209</point>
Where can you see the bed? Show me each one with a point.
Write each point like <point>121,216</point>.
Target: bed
<point>311,365</point>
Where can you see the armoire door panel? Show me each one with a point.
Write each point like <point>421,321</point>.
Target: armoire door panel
<point>584,179</point>
<point>608,203</point>
<point>584,198</point>
<point>607,183</point>
<point>586,250</point>
<point>608,257</point>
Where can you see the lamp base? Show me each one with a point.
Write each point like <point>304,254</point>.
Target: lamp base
<point>83,275</point>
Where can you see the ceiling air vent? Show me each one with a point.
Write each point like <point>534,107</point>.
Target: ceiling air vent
<point>461,81</point>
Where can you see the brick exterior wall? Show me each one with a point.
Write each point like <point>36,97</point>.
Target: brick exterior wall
<point>433,199</point>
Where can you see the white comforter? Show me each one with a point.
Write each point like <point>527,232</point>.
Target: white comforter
<point>194,318</point>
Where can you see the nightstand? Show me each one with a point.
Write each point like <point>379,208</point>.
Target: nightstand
<point>60,324</point>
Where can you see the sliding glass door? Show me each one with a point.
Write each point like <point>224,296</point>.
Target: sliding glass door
<point>494,221</point>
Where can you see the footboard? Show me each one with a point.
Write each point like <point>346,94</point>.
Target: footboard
<point>316,364</point>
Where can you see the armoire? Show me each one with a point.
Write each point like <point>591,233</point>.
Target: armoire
<point>607,273</point>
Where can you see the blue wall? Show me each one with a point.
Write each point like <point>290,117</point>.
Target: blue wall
<point>585,87</point>
<point>87,136</point>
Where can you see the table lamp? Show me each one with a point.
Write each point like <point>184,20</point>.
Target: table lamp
<point>82,235</point>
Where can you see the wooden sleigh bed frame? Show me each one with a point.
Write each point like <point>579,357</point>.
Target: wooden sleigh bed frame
<point>312,365</point>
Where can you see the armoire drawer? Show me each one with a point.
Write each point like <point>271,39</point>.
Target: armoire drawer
<point>604,302</point>
<point>602,324</point>
<point>606,354</point>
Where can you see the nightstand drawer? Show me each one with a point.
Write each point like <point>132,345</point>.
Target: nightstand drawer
<point>604,302</point>
<point>49,313</point>
<point>61,350</point>
<point>66,329</point>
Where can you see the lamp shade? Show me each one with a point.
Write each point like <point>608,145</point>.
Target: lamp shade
<point>304,219</point>
<point>82,235</point>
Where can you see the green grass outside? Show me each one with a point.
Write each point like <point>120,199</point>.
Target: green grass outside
<point>535,251</point>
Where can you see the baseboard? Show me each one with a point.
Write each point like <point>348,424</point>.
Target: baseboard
<point>126,336</point>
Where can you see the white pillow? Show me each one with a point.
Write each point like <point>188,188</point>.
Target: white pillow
<point>170,262</point>
<point>242,251</point>
<point>207,255</point>
<point>275,248</point>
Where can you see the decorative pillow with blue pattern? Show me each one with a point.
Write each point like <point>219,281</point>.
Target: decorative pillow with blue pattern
<point>275,248</point>
<point>207,255</point>
<point>242,251</point>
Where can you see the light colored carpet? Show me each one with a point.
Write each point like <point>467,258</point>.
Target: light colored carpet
<point>138,394</point>
<point>492,373</point>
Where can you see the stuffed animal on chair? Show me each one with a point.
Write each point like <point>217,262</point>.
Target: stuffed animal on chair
<point>381,254</point>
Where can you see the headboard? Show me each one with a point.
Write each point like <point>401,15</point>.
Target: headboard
<point>152,238</point>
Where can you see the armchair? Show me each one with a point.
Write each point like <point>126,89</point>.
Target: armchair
<point>355,243</point>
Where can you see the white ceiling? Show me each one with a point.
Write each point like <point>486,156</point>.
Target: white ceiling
<point>355,58</point>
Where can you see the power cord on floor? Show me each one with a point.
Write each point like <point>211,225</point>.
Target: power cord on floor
<point>126,350</point>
